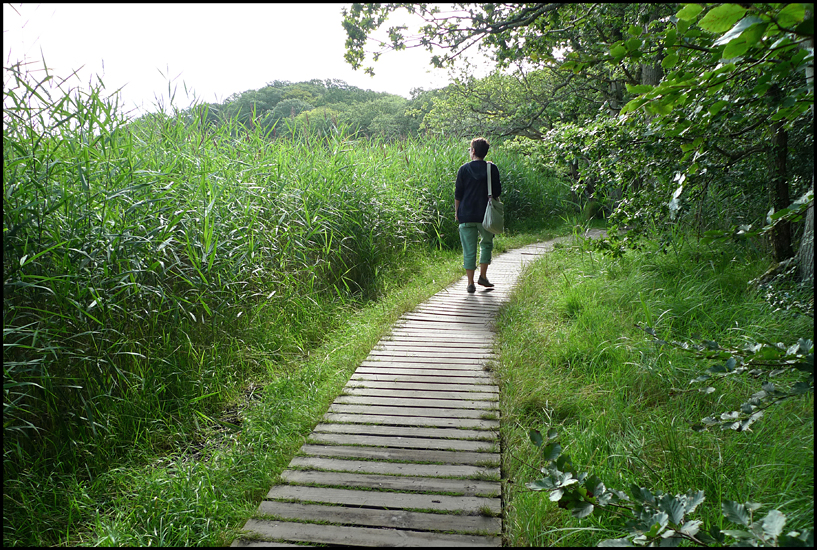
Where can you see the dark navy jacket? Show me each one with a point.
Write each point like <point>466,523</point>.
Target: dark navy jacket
<point>472,190</point>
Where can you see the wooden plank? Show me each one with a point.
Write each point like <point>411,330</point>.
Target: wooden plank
<point>390,420</point>
<point>410,411</point>
<point>401,455</point>
<point>422,402</point>
<point>401,336</point>
<point>407,431</point>
<point>408,342</point>
<point>360,536</point>
<point>385,499</point>
<point>448,360</point>
<point>368,517</point>
<point>489,392</point>
<point>438,393</point>
<point>431,335</point>
<point>392,468</point>
<point>403,442</point>
<point>479,380</point>
<point>418,335</point>
<point>426,372</point>
<point>444,353</point>
<point>419,363</point>
<point>469,487</point>
<point>481,321</point>
<point>431,326</point>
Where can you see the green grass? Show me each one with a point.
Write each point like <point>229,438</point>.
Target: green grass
<point>182,302</point>
<point>572,359</point>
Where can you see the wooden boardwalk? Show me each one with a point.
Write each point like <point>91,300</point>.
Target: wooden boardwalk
<point>409,454</point>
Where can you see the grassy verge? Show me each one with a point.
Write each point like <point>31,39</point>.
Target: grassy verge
<point>572,359</point>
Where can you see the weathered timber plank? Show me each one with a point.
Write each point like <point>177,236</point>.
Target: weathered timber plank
<point>430,372</point>
<point>360,536</point>
<point>406,431</point>
<point>401,455</point>
<point>479,380</point>
<point>482,321</point>
<point>429,335</point>
<point>488,392</point>
<point>351,497</point>
<point>408,402</point>
<point>445,353</point>
<point>476,330</point>
<point>470,487</point>
<point>392,468</point>
<point>439,393</point>
<point>240,543</point>
<point>463,359</point>
<point>367,517</point>
<point>412,363</point>
<point>402,442</point>
<point>390,420</point>
<point>408,342</point>
<point>408,411</point>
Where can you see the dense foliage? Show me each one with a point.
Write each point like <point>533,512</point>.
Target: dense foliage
<point>671,116</point>
<point>284,108</point>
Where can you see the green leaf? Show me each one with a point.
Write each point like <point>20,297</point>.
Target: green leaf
<point>735,512</point>
<point>673,508</point>
<point>635,30</point>
<point>806,28</point>
<point>791,15</point>
<point>689,12</point>
<point>581,509</point>
<point>735,48</point>
<point>691,527</point>
<point>717,106</point>
<point>633,44</point>
<point>638,89</point>
<point>618,51</point>
<point>540,485</point>
<point>773,523</point>
<point>753,34</point>
<point>738,30</point>
<point>721,18</point>
<point>536,437</point>
<point>669,62</point>
<point>552,433</point>
<point>552,451</point>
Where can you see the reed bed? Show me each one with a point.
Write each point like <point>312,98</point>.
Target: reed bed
<point>154,267</point>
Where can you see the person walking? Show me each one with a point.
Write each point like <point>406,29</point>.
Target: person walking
<point>470,202</point>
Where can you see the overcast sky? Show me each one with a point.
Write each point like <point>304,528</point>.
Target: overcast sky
<point>215,49</point>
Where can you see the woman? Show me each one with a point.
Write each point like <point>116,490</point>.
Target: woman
<point>470,202</point>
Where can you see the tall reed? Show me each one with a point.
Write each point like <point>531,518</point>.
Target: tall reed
<point>153,266</point>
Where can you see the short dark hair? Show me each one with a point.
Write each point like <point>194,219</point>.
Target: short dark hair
<point>480,147</point>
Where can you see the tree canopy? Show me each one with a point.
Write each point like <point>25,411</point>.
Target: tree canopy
<point>654,107</point>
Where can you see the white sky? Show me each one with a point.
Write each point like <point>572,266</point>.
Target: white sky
<point>213,49</point>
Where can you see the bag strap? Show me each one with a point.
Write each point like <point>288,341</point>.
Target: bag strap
<point>489,179</point>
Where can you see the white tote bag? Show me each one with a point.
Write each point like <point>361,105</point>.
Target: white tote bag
<point>494,220</point>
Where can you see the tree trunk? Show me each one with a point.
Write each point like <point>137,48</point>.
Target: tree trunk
<point>779,188</point>
<point>805,254</point>
<point>652,74</point>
